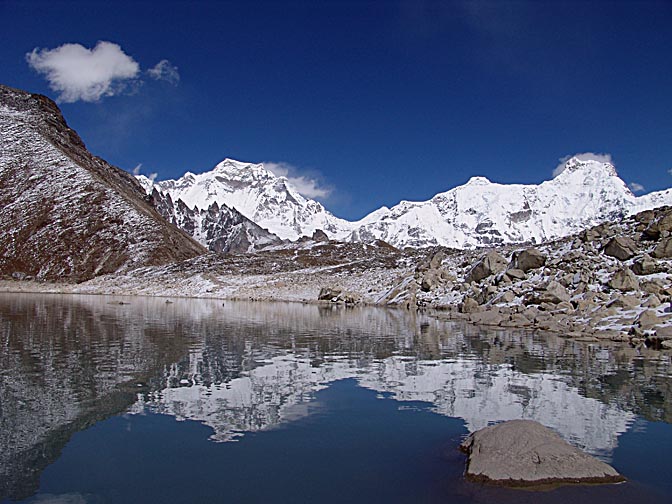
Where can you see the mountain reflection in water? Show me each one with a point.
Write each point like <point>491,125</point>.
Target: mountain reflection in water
<point>67,362</point>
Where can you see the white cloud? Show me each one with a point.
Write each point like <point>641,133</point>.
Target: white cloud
<point>78,73</point>
<point>307,185</point>
<point>165,70</point>
<point>584,156</point>
<point>669,171</point>
<point>635,187</point>
<point>137,171</point>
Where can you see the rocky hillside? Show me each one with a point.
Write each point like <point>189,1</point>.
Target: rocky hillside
<point>66,214</point>
<point>611,281</point>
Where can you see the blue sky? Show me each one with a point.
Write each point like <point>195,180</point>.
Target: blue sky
<point>370,102</point>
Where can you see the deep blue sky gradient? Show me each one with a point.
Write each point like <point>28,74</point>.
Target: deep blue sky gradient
<point>383,100</point>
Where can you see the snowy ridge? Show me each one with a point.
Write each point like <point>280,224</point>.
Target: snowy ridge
<point>478,213</point>
<point>481,212</point>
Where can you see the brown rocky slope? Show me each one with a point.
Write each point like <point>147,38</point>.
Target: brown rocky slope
<point>65,214</point>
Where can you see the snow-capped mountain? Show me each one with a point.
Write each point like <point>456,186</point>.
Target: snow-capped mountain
<point>266,199</point>
<point>481,212</point>
<point>478,213</point>
<point>66,214</point>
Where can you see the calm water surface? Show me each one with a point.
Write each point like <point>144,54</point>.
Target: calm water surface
<point>204,401</point>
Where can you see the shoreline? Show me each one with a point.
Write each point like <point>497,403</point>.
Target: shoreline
<point>488,317</point>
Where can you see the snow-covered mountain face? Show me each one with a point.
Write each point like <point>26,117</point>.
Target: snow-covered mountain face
<point>264,198</point>
<point>481,213</point>
<point>66,214</point>
<point>478,213</point>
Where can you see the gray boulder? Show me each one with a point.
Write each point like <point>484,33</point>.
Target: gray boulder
<point>525,453</point>
<point>432,261</point>
<point>645,265</point>
<point>516,274</point>
<point>594,233</point>
<point>526,260</point>
<point>624,280</point>
<point>621,247</point>
<point>660,226</point>
<point>329,293</point>
<point>489,317</point>
<point>663,249</point>
<point>553,293</point>
<point>489,264</point>
<point>469,305</point>
<point>430,280</point>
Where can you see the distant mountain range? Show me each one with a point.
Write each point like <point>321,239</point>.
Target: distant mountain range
<point>69,215</point>
<point>478,213</point>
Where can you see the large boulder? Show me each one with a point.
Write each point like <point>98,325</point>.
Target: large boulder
<point>525,453</point>
<point>489,317</point>
<point>663,249</point>
<point>469,305</point>
<point>621,247</point>
<point>526,260</point>
<point>661,226</point>
<point>645,265</point>
<point>553,293</point>
<point>433,261</point>
<point>595,233</point>
<point>329,293</point>
<point>624,280</point>
<point>489,264</point>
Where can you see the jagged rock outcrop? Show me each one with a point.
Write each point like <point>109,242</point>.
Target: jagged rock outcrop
<point>220,228</point>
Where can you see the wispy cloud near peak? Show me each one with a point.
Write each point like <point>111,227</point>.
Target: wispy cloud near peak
<point>307,184</point>
<point>584,156</point>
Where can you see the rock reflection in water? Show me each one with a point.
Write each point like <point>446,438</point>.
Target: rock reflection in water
<point>68,362</point>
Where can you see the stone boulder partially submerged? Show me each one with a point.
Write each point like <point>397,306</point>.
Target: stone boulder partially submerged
<point>525,453</point>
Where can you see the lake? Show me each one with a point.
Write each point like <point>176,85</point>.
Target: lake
<point>116,400</point>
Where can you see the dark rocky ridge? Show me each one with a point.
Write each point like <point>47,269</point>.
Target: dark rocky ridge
<point>221,228</point>
<point>66,214</point>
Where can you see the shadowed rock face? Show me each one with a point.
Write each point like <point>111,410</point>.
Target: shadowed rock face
<point>220,228</point>
<point>525,453</point>
<point>66,214</point>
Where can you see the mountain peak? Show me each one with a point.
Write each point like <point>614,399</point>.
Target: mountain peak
<point>576,163</point>
<point>478,180</point>
<point>269,200</point>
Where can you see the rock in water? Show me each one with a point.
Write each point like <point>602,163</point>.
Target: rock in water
<point>525,453</point>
